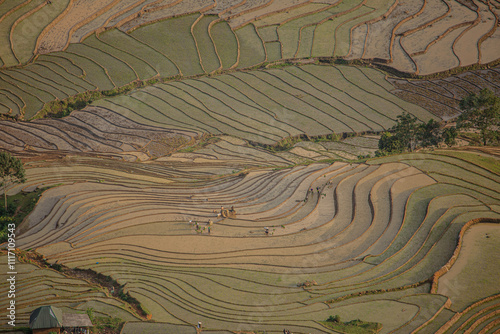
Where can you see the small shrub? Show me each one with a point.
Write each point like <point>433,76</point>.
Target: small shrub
<point>90,313</point>
<point>329,137</point>
<point>333,318</point>
<point>56,266</point>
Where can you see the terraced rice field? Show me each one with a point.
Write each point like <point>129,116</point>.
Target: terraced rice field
<point>407,34</point>
<point>220,88</point>
<point>92,131</point>
<point>37,287</point>
<point>370,236</point>
<point>266,106</point>
<point>124,41</point>
<point>442,96</point>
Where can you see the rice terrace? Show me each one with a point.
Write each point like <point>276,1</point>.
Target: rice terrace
<point>250,166</point>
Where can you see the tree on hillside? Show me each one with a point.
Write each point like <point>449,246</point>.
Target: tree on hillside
<point>11,171</point>
<point>389,143</point>
<point>407,134</point>
<point>429,134</point>
<point>481,112</point>
<point>449,135</point>
<point>403,136</point>
<point>406,130</point>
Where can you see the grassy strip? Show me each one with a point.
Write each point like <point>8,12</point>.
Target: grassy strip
<point>121,41</point>
<point>103,281</point>
<point>18,207</point>
<point>56,71</point>
<point>352,327</point>
<point>62,108</point>
<point>378,291</point>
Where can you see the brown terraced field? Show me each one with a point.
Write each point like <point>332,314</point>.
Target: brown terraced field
<point>142,121</point>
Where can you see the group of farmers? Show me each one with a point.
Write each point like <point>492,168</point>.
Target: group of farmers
<point>209,223</point>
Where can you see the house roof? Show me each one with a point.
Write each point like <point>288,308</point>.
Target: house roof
<point>46,317</point>
<point>76,320</point>
<point>51,317</point>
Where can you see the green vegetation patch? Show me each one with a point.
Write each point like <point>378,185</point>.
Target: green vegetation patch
<point>272,104</point>
<point>203,142</point>
<point>31,103</point>
<point>43,84</point>
<point>10,103</point>
<point>62,108</point>
<point>17,80</point>
<point>18,207</point>
<point>352,327</point>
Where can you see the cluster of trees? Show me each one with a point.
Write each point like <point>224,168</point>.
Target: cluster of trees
<point>481,113</point>
<point>408,134</point>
